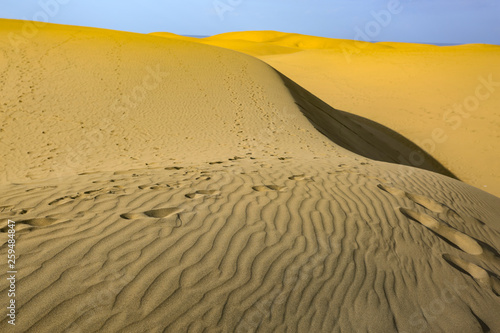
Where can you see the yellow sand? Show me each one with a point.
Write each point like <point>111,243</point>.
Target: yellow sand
<point>426,93</point>
<point>163,185</point>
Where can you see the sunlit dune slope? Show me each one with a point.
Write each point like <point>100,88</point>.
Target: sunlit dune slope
<point>163,185</point>
<point>126,109</point>
<point>143,98</point>
<point>445,99</point>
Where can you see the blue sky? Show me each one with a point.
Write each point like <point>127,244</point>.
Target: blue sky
<point>434,21</point>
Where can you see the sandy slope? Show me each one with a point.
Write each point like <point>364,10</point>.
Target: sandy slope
<point>426,93</point>
<point>205,199</point>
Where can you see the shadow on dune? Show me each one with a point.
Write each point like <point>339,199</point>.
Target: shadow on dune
<point>360,135</point>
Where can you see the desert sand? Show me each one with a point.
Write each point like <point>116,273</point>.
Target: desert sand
<point>444,99</point>
<point>159,184</point>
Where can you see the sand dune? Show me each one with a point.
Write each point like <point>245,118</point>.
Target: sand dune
<point>444,99</point>
<point>162,185</point>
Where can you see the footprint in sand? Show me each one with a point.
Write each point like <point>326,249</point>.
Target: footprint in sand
<point>202,193</point>
<point>421,200</point>
<point>39,222</point>
<point>19,227</point>
<point>428,203</point>
<point>457,238</point>
<point>483,277</point>
<point>299,177</point>
<point>8,212</point>
<point>63,200</point>
<point>27,224</point>
<point>174,168</point>
<point>87,195</point>
<point>266,188</point>
<point>131,172</point>
<point>392,190</point>
<point>35,189</point>
<point>467,244</point>
<point>159,186</point>
<point>483,252</point>
<point>5,208</point>
<point>161,213</point>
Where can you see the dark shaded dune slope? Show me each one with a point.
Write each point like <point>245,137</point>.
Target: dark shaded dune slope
<point>360,135</point>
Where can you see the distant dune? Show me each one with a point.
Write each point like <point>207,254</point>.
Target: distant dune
<point>159,184</point>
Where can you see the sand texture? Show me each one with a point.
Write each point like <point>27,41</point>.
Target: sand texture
<point>163,185</point>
